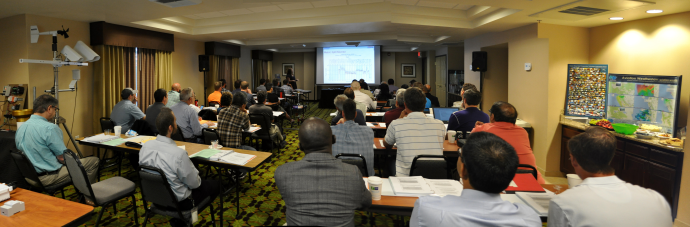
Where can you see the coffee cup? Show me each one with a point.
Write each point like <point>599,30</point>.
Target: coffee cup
<point>451,136</point>
<point>375,187</point>
<point>118,130</point>
<point>217,106</point>
<point>573,180</point>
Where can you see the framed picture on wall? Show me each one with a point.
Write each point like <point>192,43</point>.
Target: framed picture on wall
<point>408,70</point>
<point>287,66</point>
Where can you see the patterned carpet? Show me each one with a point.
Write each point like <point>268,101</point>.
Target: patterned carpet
<point>260,201</point>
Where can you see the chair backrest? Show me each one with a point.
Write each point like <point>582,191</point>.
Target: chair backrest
<point>26,168</point>
<point>177,136</point>
<point>155,187</point>
<point>261,120</point>
<point>430,167</point>
<point>357,160</point>
<point>530,169</point>
<point>209,135</point>
<point>78,175</point>
<point>106,123</point>
<point>391,102</point>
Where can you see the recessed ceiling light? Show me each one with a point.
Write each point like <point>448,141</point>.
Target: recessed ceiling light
<point>655,11</point>
<point>616,18</point>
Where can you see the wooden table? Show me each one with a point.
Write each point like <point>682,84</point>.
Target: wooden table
<point>378,126</point>
<point>45,210</point>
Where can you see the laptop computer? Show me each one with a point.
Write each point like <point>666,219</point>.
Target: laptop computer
<point>442,113</point>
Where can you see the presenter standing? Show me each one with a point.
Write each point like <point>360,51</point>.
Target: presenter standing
<point>291,78</point>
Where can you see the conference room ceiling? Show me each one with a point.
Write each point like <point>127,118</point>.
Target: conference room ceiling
<point>300,25</point>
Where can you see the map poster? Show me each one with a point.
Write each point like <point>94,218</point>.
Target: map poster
<point>586,91</point>
<point>641,99</point>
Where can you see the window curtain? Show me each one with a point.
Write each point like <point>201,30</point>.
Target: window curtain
<point>262,70</point>
<point>113,73</point>
<point>221,67</point>
<point>163,76</point>
<point>147,77</point>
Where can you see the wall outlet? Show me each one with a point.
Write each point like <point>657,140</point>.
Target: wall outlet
<point>528,66</point>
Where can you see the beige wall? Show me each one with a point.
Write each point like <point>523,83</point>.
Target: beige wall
<point>186,67</point>
<point>309,76</point>
<point>496,77</point>
<point>388,67</point>
<point>404,58</point>
<point>296,58</point>
<point>14,45</point>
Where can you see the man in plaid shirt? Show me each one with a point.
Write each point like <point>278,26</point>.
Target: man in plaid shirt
<point>232,121</point>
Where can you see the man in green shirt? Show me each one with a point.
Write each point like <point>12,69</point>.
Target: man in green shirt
<point>42,142</point>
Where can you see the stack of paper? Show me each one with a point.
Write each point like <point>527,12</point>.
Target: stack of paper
<point>100,138</point>
<point>445,187</point>
<point>115,142</point>
<point>231,157</point>
<point>410,186</point>
<point>206,153</point>
<point>252,129</point>
<point>370,124</point>
<point>538,201</point>
<point>334,113</point>
<point>141,139</point>
<point>277,113</point>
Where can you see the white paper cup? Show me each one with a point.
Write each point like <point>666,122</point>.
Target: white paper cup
<point>375,187</point>
<point>573,180</point>
<point>451,136</point>
<point>118,130</point>
<point>217,106</point>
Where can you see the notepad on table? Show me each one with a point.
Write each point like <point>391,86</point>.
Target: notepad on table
<point>205,153</point>
<point>100,138</point>
<point>115,142</point>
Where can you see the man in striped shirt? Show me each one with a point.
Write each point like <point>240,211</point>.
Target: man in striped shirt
<point>414,133</point>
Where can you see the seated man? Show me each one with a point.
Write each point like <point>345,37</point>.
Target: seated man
<point>434,100</point>
<point>351,95</point>
<point>225,100</point>
<point>353,138</point>
<point>161,98</point>
<point>276,87</point>
<point>361,97</point>
<point>248,92</point>
<point>391,86</point>
<point>261,108</point>
<point>237,85</point>
<point>466,87</point>
<point>394,113</point>
<point>232,121</point>
<point>273,101</point>
<point>42,142</point>
<point>428,101</point>
<point>173,95</point>
<point>464,120</point>
<point>262,85</point>
<point>320,190</point>
<point>223,86</point>
<point>214,98</point>
<point>183,177</point>
<point>187,118</point>
<point>287,88</point>
<point>126,112</point>
<point>602,199</point>
<point>414,133</point>
<point>487,166</point>
<point>502,118</point>
<point>338,119</point>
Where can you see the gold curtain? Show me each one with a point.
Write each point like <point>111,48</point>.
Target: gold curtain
<point>269,70</point>
<point>146,65</point>
<point>221,67</point>
<point>113,73</point>
<point>259,70</point>
<point>234,71</point>
<point>163,76</point>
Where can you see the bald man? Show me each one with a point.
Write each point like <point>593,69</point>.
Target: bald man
<point>174,95</point>
<point>320,190</point>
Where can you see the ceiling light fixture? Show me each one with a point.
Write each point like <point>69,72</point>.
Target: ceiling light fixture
<point>414,48</point>
<point>655,11</point>
<point>616,18</point>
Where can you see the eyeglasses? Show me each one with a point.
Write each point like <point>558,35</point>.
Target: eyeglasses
<point>56,108</point>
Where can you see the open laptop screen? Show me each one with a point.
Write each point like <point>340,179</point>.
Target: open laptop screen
<point>442,114</point>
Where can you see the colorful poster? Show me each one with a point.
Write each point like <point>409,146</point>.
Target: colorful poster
<point>586,91</point>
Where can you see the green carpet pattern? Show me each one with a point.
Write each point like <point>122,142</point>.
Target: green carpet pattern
<point>260,201</point>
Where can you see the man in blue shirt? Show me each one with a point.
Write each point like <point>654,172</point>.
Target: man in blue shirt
<point>464,120</point>
<point>353,138</point>
<point>126,112</point>
<point>487,166</point>
<point>42,142</point>
<point>174,95</point>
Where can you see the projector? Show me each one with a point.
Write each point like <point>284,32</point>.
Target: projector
<point>177,3</point>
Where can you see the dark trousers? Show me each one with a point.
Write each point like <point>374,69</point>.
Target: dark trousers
<point>207,189</point>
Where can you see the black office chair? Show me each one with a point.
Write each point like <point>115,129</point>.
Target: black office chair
<point>262,134</point>
<point>209,135</point>
<point>178,136</point>
<point>530,169</point>
<point>357,160</point>
<point>29,173</point>
<point>156,189</point>
<point>430,167</point>
<point>103,193</point>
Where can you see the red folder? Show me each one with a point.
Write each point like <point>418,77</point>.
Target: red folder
<point>525,183</point>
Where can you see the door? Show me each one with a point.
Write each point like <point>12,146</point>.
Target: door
<point>441,79</point>
<point>661,179</point>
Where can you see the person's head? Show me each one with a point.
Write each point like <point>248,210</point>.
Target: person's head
<point>46,106</point>
<point>276,82</point>
<point>349,109</point>
<point>412,82</point>
<point>239,100</point>
<point>237,84</point>
<point>261,97</point>
<point>176,87</point>
<point>165,122</point>
<point>315,135</point>
<point>472,98</point>
<point>427,88</point>
<point>488,163</point>
<point>405,86</point>
<point>391,81</point>
<point>503,112</point>
<point>339,101</point>
<point>187,95</point>
<point>418,85</point>
<point>217,85</point>
<point>285,82</point>
<point>129,94</point>
<point>225,99</point>
<point>244,85</point>
<point>592,151</point>
<point>415,100</point>
<point>289,72</point>
<point>160,95</point>
<point>467,87</point>
<point>363,84</point>
<point>262,81</point>
<point>400,97</point>
<point>355,85</point>
<point>349,93</point>
<point>384,89</point>
<point>222,82</point>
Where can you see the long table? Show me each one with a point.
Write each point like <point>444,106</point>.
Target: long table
<point>45,210</point>
<point>193,148</point>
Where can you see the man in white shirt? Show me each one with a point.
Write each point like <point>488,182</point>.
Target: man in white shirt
<point>487,166</point>
<point>361,97</point>
<point>602,199</point>
<point>414,133</point>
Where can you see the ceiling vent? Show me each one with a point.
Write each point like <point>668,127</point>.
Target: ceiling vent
<point>585,11</point>
<point>576,10</point>
<point>177,3</point>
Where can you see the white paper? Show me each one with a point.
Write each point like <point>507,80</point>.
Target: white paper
<point>139,139</point>
<point>252,129</point>
<point>237,158</point>
<point>374,146</point>
<point>513,184</point>
<point>277,113</point>
<point>100,138</point>
<point>446,126</point>
<point>182,147</point>
<point>334,113</point>
<point>538,201</point>
<point>410,186</point>
<point>370,124</point>
<point>382,124</point>
<point>381,141</point>
<point>445,187</point>
<point>429,115</point>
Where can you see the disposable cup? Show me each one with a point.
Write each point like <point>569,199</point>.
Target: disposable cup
<point>573,180</point>
<point>375,187</point>
<point>451,136</point>
<point>217,106</point>
<point>118,130</point>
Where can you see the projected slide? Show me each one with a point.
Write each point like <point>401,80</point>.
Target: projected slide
<point>343,64</point>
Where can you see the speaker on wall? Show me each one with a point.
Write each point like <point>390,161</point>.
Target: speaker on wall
<point>479,61</point>
<point>203,63</point>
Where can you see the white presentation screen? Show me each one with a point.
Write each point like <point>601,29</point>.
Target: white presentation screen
<point>340,65</point>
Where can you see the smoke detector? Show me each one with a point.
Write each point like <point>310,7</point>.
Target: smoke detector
<point>177,3</point>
